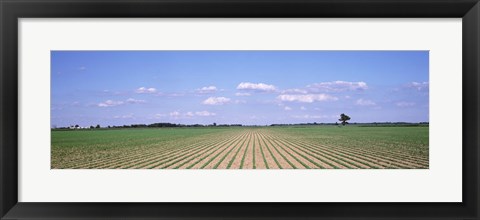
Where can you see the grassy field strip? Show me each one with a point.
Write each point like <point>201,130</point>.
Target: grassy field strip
<point>317,161</point>
<point>374,146</point>
<point>383,152</point>
<point>271,160</point>
<point>242,161</point>
<point>219,158</point>
<point>337,157</point>
<point>97,158</point>
<point>248,162</point>
<point>111,153</point>
<point>228,160</point>
<point>141,153</point>
<point>397,146</point>
<point>112,158</point>
<point>173,160</point>
<point>383,159</point>
<point>333,158</point>
<point>282,159</point>
<point>304,161</point>
<point>355,159</point>
<point>326,157</point>
<point>114,153</point>
<point>201,163</point>
<point>387,162</point>
<point>279,160</point>
<point>344,156</point>
<point>158,158</point>
<point>293,147</point>
<point>322,159</point>
<point>336,151</point>
<point>194,160</point>
<point>260,146</point>
<point>259,157</point>
<point>239,159</point>
<point>140,160</point>
<point>396,157</point>
<point>327,162</point>
<point>253,150</point>
<point>129,161</point>
<point>376,142</point>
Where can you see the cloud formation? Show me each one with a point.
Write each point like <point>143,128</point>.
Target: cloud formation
<point>205,113</point>
<point>242,94</point>
<point>135,101</point>
<point>144,90</point>
<point>174,114</point>
<point>216,101</point>
<point>256,87</point>
<point>308,98</point>
<point>207,89</point>
<point>295,91</point>
<point>110,103</point>
<point>420,86</point>
<point>365,102</point>
<point>338,86</point>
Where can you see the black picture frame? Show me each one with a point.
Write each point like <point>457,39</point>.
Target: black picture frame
<point>12,10</point>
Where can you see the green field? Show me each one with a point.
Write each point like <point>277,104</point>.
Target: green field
<point>283,147</point>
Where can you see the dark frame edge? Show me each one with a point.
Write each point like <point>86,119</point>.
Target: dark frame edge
<point>8,111</point>
<point>471,92</point>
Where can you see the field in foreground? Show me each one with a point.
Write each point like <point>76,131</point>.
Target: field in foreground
<point>296,147</point>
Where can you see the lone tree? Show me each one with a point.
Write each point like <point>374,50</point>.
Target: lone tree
<point>344,118</point>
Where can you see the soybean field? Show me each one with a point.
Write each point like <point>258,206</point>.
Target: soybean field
<point>282,147</point>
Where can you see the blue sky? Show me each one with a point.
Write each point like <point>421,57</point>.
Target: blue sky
<point>229,87</point>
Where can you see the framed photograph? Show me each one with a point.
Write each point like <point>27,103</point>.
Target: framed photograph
<point>224,109</point>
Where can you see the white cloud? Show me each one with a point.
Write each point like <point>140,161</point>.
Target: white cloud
<point>338,86</point>
<point>419,85</point>
<point>239,101</point>
<point>160,115</point>
<point>303,108</point>
<point>207,89</point>
<point>365,102</point>
<point>242,94</point>
<point>146,90</point>
<point>135,101</point>
<point>256,86</point>
<point>295,91</point>
<point>405,104</point>
<point>110,103</point>
<point>177,114</point>
<point>205,113</point>
<point>287,108</point>
<point>174,114</point>
<point>308,98</point>
<point>216,101</point>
